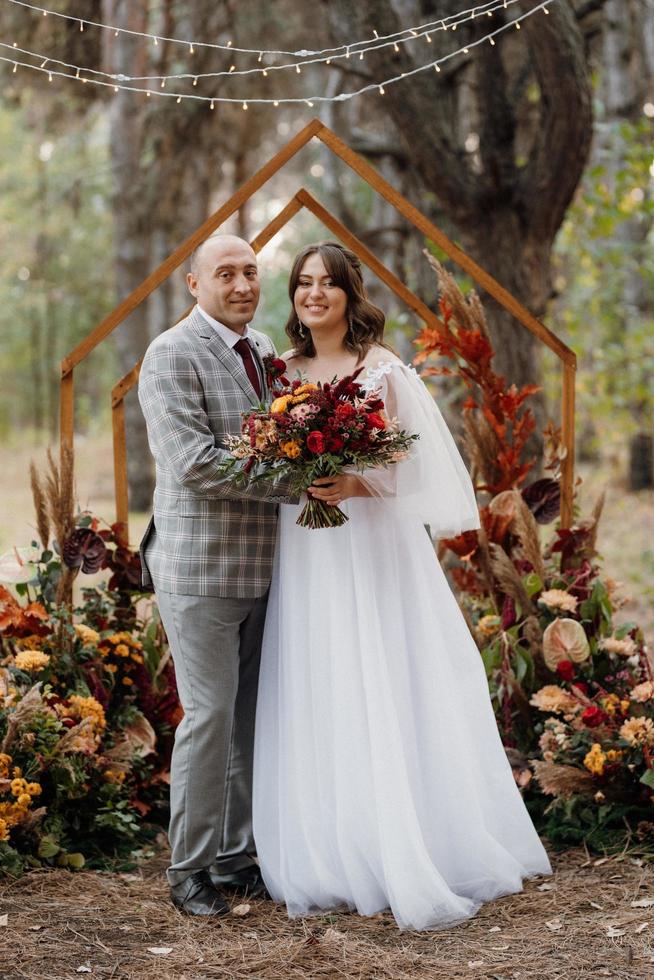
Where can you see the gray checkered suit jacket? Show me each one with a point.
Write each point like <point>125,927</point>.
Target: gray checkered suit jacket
<point>205,537</point>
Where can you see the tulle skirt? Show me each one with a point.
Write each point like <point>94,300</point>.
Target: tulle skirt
<point>380,780</point>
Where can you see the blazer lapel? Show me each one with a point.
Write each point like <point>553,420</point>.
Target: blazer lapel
<point>229,357</point>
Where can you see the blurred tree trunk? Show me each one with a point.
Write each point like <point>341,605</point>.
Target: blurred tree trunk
<point>164,165</point>
<point>504,137</point>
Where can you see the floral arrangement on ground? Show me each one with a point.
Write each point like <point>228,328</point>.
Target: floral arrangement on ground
<point>572,691</point>
<point>88,703</point>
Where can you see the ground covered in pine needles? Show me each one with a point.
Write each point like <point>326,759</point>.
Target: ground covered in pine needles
<point>592,919</point>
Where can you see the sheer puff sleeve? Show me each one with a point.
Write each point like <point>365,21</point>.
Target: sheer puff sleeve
<point>433,483</point>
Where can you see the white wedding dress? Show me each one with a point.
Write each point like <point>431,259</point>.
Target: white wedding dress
<point>380,780</point>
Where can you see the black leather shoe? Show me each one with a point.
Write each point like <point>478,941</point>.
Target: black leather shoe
<point>246,882</point>
<point>196,895</point>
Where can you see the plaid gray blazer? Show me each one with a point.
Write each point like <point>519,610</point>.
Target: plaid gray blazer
<point>205,537</point>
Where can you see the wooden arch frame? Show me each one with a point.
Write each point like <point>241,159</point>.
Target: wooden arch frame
<point>304,199</point>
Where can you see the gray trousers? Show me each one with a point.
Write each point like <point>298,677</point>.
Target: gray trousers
<point>216,649</point>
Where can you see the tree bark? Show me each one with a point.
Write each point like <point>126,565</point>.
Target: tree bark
<point>504,137</point>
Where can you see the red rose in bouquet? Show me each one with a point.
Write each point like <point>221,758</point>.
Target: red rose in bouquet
<point>316,430</point>
<point>593,716</point>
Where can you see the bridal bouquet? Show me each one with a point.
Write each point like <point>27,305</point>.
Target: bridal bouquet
<point>310,431</point>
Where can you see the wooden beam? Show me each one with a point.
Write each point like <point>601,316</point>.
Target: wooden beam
<point>182,252</point>
<point>120,464</point>
<point>66,409</point>
<point>491,285</point>
<point>568,439</point>
<point>276,224</point>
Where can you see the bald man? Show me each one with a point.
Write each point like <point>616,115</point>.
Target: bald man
<point>208,553</point>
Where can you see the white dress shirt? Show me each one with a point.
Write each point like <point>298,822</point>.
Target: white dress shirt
<point>231,338</point>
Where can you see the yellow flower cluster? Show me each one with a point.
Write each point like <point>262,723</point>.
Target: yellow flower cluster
<point>11,814</point>
<point>291,448</point>
<point>125,649</point>
<point>31,642</point>
<point>114,776</point>
<point>88,708</point>
<point>638,731</point>
<point>595,760</point>
<point>32,660</point>
<point>5,762</point>
<point>300,395</point>
<point>24,791</point>
<point>612,704</point>
<point>88,636</point>
<point>489,625</point>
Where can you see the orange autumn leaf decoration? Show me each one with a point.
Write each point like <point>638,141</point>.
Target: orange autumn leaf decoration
<point>16,620</point>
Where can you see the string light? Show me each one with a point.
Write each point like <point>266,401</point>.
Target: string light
<point>411,34</point>
<point>118,81</point>
<point>415,31</point>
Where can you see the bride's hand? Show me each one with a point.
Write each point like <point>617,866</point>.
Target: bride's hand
<point>334,489</point>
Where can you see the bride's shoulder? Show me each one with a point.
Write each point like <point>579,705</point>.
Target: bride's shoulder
<point>294,361</point>
<point>378,357</point>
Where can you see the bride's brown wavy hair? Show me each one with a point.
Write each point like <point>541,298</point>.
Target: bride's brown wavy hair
<point>365,320</point>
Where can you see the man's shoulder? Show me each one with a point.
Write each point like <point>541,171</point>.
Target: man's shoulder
<point>180,338</point>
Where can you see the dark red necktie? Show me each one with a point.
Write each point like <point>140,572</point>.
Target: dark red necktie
<point>244,349</point>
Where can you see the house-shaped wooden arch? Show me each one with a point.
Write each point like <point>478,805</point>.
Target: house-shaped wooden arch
<point>303,199</point>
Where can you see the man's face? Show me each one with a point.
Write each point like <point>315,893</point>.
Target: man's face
<point>225,281</point>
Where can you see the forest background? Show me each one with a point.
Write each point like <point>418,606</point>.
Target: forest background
<point>535,155</point>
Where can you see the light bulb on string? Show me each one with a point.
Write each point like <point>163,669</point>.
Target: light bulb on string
<point>265,73</point>
<point>212,106</point>
<point>179,99</point>
<point>517,26</point>
<point>156,42</point>
<point>81,25</point>
<point>163,82</point>
<point>437,68</point>
<point>396,48</point>
<point>244,106</point>
<point>191,49</point>
<point>195,80</point>
<point>382,91</point>
<point>492,41</point>
<point>298,69</point>
<point>15,68</point>
<point>260,56</point>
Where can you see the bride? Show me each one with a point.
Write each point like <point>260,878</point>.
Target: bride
<point>380,780</point>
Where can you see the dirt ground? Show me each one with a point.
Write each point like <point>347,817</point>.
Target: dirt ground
<point>592,919</point>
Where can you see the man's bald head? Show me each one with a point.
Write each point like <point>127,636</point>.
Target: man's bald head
<point>225,281</point>
<point>215,246</point>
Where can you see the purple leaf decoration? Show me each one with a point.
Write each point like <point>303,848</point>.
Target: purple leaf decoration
<point>84,549</point>
<point>543,497</point>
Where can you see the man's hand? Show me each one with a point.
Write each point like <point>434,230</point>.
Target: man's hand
<point>333,490</point>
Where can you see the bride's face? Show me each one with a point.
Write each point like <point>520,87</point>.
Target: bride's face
<point>320,305</point>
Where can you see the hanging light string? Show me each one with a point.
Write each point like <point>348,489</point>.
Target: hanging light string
<point>442,23</point>
<point>342,97</point>
<point>296,66</point>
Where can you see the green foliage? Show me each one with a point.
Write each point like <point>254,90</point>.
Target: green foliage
<point>56,280</point>
<point>604,270</point>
